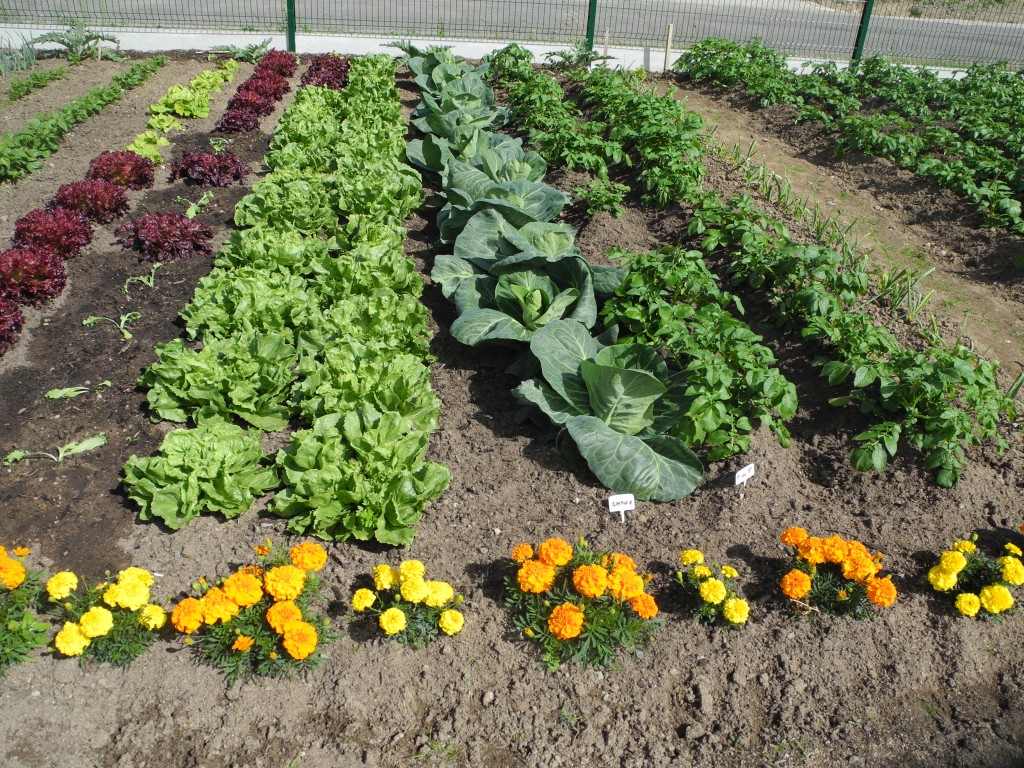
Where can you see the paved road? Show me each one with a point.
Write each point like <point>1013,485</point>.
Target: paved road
<point>794,26</point>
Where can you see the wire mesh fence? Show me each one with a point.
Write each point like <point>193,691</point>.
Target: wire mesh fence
<point>953,32</point>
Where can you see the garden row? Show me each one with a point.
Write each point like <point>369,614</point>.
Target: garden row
<point>936,397</point>
<point>963,133</point>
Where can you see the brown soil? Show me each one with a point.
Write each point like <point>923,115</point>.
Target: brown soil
<point>914,686</point>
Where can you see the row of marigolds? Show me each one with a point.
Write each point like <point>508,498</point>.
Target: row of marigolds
<point>268,618</point>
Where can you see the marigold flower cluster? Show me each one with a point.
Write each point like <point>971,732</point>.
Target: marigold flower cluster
<point>21,631</point>
<point>408,607</point>
<point>112,622</point>
<point>558,593</point>
<point>977,583</point>
<point>709,591</point>
<point>261,619</point>
<point>12,569</point>
<point>834,575</point>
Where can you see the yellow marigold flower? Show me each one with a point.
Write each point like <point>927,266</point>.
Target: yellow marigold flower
<point>702,572</point>
<point>22,551</point>
<point>451,622</point>
<point>187,616</point>
<point>217,607</point>
<point>712,591</point>
<point>272,655</point>
<point>535,577</point>
<point>414,590</point>
<point>60,585</point>
<point>624,584</point>
<point>135,574</point>
<point>96,622</point>
<point>12,573</point>
<point>242,643</point>
<point>736,610</point>
<point>615,560</point>
<point>882,592</point>
<point>363,599</point>
<point>71,641</point>
<point>439,593</point>
<point>522,552</point>
<point>554,552</point>
<point>1012,570</point>
<point>590,580</point>
<point>280,613</point>
<point>385,577</point>
<point>243,589</point>
<point>309,556</point>
<point>566,621</point>
<point>941,580</point>
<point>968,604</point>
<point>795,584</point>
<point>793,536</point>
<point>995,598</point>
<point>1013,549</point>
<point>952,561</point>
<point>644,606</point>
<point>842,594</point>
<point>285,582</point>
<point>811,550</point>
<point>411,569</point>
<point>130,595</point>
<point>152,617</point>
<point>528,632</point>
<point>729,572</point>
<point>299,639</point>
<point>964,546</point>
<point>691,557</point>
<point>835,549</point>
<point>392,621</point>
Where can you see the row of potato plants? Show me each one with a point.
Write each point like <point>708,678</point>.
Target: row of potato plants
<point>309,318</point>
<point>937,397</point>
<point>23,152</point>
<point>518,281</point>
<point>963,133</point>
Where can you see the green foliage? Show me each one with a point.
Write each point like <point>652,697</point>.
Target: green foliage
<point>603,195</point>
<point>193,100</point>
<point>22,86</point>
<point>70,449</point>
<point>16,58</point>
<point>21,631</point>
<point>215,467</point>
<point>80,43</point>
<point>251,54</point>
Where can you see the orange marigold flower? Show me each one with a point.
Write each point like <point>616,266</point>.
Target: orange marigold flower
<point>242,643</point>
<point>261,549</point>
<point>644,606</point>
<point>522,552</point>
<point>623,584</point>
<point>279,614</point>
<point>536,577</point>
<point>795,584</point>
<point>554,552</point>
<point>252,570</point>
<point>590,580</point>
<point>187,616</point>
<point>217,607</point>
<point>299,639</point>
<point>243,589</point>
<point>811,550</point>
<point>22,551</point>
<point>618,560</point>
<point>860,567</point>
<point>793,536</point>
<point>309,556</point>
<point>882,592</point>
<point>12,573</point>
<point>566,621</point>
<point>285,582</point>
<point>835,549</point>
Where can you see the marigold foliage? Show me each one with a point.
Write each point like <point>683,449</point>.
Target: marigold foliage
<point>21,631</point>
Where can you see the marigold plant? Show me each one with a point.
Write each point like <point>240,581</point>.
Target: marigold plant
<point>263,620</point>
<point>834,575</point>
<point>408,607</point>
<point>113,622</point>
<point>21,631</point>
<point>578,604</point>
<point>977,583</point>
<point>709,591</point>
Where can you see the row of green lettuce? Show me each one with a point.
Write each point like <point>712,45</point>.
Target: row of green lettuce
<point>936,396</point>
<point>518,281</point>
<point>309,320</point>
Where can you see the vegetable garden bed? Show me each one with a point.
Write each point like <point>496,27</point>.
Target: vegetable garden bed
<point>915,686</point>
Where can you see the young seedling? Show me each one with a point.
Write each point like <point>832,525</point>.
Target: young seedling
<point>122,324</point>
<point>62,453</point>
<point>69,392</point>
<point>146,280</point>
<point>219,144</point>
<point>194,208</point>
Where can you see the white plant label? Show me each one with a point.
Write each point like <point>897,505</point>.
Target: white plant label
<point>622,503</point>
<point>745,474</point>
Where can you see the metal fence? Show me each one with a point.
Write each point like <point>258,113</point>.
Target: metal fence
<point>953,32</point>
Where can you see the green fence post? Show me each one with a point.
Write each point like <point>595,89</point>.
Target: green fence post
<point>591,22</point>
<point>862,31</point>
<point>290,11</point>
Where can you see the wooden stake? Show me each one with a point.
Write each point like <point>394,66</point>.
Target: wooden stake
<point>606,32</point>
<point>668,45</point>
